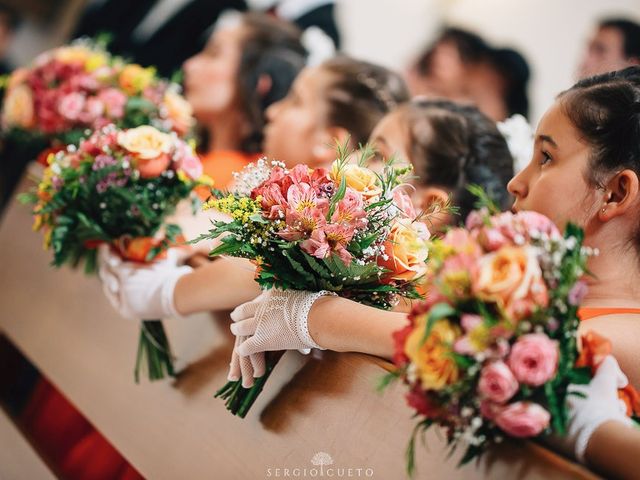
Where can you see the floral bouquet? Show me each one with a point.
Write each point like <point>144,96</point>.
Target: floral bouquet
<point>117,188</point>
<point>80,87</point>
<point>492,351</point>
<point>349,230</point>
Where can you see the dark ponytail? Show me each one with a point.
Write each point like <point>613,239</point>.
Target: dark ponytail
<point>454,146</point>
<point>359,94</point>
<point>605,110</point>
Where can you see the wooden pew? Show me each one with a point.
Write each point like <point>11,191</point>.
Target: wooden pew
<point>17,459</point>
<point>176,429</point>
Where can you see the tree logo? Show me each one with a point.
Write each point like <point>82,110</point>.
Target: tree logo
<point>321,459</point>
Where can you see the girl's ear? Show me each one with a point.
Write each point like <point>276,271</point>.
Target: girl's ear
<point>263,87</point>
<point>621,195</point>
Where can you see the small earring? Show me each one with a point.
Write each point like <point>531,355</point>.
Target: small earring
<point>604,209</point>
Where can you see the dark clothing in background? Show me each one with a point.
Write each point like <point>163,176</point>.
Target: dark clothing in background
<point>180,37</point>
<point>322,17</point>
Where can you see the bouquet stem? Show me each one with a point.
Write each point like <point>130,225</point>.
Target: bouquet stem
<point>154,351</point>
<point>238,399</point>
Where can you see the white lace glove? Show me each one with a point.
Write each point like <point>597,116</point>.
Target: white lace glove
<point>141,291</point>
<point>599,404</point>
<point>276,320</point>
<point>252,366</point>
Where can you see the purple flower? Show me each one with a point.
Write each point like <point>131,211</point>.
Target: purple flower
<point>101,186</point>
<point>577,293</point>
<point>103,161</point>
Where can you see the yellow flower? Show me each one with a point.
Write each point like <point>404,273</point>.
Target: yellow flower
<point>18,107</point>
<point>73,54</point>
<point>359,178</point>
<point>134,79</point>
<point>95,61</point>
<point>435,366</point>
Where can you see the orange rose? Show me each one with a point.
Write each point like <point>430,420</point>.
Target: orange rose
<point>432,359</point>
<point>150,147</point>
<point>512,278</point>
<point>406,250</point>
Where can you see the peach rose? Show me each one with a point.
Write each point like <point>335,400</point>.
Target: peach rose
<point>179,111</point>
<point>134,79</point>
<point>149,147</point>
<point>522,419</point>
<point>432,358</point>
<point>512,278</point>
<point>18,107</point>
<point>406,249</point>
<point>361,179</point>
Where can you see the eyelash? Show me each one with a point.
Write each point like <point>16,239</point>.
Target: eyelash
<point>546,158</point>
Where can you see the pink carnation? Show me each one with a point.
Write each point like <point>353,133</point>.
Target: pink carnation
<point>71,105</point>
<point>534,359</point>
<point>522,419</point>
<point>114,101</point>
<point>497,382</point>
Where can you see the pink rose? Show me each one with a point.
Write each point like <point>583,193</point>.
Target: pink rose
<point>191,165</point>
<point>71,105</point>
<point>536,222</point>
<point>522,419</point>
<point>114,101</point>
<point>497,383</point>
<point>534,359</point>
<point>404,203</point>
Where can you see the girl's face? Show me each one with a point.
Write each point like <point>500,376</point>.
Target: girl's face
<point>555,183</point>
<point>390,137</point>
<point>210,77</point>
<point>296,131</point>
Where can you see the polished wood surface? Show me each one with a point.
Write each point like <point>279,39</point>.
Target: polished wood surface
<point>176,429</point>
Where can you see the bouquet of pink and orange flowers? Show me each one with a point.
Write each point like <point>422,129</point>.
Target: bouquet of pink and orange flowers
<point>492,351</point>
<point>347,230</point>
<point>80,87</point>
<point>117,187</point>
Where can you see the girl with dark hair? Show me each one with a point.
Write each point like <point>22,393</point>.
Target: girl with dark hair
<point>340,99</point>
<point>249,63</point>
<point>585,169</point>
<point>450,147</point>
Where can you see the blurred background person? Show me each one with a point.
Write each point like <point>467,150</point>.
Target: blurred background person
<point>249,63</point>
<point>305,14</point>
<point>461,66</point>
<point>159,33</point>
<point>9,21</point>
<point>614,45</point>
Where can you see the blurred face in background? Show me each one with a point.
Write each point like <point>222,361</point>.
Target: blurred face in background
<point>605,53</point>
<point>390,138</point>
<point>211,76</point>
<point>296,131</point>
